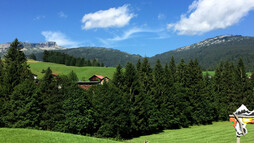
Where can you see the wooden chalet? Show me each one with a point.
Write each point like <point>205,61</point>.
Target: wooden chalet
<point>54,75</point>
<point>94,80</point>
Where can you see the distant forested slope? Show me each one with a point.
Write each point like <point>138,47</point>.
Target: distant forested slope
<point>211,51</point>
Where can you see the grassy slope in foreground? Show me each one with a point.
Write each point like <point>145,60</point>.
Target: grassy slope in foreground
<point>81,72</point>
<point>218,132</point>
<point>37,136</point>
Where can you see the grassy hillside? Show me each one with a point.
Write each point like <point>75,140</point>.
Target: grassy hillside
<point>37,136</point>
<point>81,72</point>
<point>219,132</point>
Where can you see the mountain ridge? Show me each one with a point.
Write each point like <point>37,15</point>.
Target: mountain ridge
<point>211,51</point>
<point>208,52</point>
<point>29,48</point>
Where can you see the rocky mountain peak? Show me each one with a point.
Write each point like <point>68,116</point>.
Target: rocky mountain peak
<point>212,41</point>
<point>29,48</point>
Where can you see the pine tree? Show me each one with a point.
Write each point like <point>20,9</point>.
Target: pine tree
<point>131,83</point>
<point>118,77</point>
<point>89,63</point>
<point>146,77</point>
<point>45,56</point>
<point>73,61</point>
<point>32,56</point>
<point>172,68</point>
<point>2,98</point>
<point>158,96</point>
<point>241,83</point>
<point>183,108</point>
<point>24,110</point>
<point>16,69</point>
<point>111,112</point>
<point>51,102</point>
<point>79,114</point>
<point>197,94</point>
<point>73,76</point>
<point>1,73</point>
<point>146,113</point>
<point>138,65</point>
<point>181,73</point>
<point>168,110</point>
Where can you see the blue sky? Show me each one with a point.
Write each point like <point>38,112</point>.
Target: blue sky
<point>145,27</point>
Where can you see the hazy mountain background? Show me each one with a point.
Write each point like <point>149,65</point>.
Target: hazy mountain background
<point>208,52</point>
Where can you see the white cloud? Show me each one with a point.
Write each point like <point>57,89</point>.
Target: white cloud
<point>207,15</point>
<point>59,38</point>
<point>161,16</point>
<point>62,14</point>
<point>113,17</point>
<point>39,17</point>
<point>134,32</point>
<point>127,34</point>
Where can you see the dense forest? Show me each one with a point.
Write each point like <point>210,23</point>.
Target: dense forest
<point>139,100</point>
<point>62,58</point>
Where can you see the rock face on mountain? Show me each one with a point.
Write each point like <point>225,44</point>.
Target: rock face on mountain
<point>214,41</point>
<point>213,50</point>
<point>29,48</point>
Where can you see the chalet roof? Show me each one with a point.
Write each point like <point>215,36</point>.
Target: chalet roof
<point>98,76</point>
<point>88,82</point>
<point>55,74</point>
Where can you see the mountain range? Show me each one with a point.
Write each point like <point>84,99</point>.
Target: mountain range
<point>29,48</point>
<point>208,52</point>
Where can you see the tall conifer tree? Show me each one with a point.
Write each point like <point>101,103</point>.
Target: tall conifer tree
<point>118,77</point>
<point>16,69</point>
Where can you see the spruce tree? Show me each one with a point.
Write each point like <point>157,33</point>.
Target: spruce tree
<point>112,116</point>
<point>197,94</point>
<point>181,95</point>
<point>32,56</point>
<point>118,77</point>
<point>79,114</point>
<point>45,56</point>
<point>168,110</point>
<point>158,96</point>
<point>24,110</point>
<point>1,73</point>
<point>147,115</point>
<point>1,94</point>
<point>16,69</point>
<point>51,102</point>
<point>172,68</point>
<point>73,76</point>
<point>241,83</point>
<point>138,65</point>
<point>131,83</point>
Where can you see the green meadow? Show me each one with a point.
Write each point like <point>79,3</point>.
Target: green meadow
<point>82,72</point>
<point>218,132</point>
<point>8,135</point>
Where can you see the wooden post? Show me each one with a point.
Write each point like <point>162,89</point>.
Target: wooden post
<point>240,123</point>
<point>237,139</point>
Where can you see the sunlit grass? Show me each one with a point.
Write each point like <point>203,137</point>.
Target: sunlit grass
<point>82,72</point>
<point>8,135</point>
<point>218,132</point>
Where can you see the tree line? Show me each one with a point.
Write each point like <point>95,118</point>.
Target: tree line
<point>139,100</point>
<point>62,58</point>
